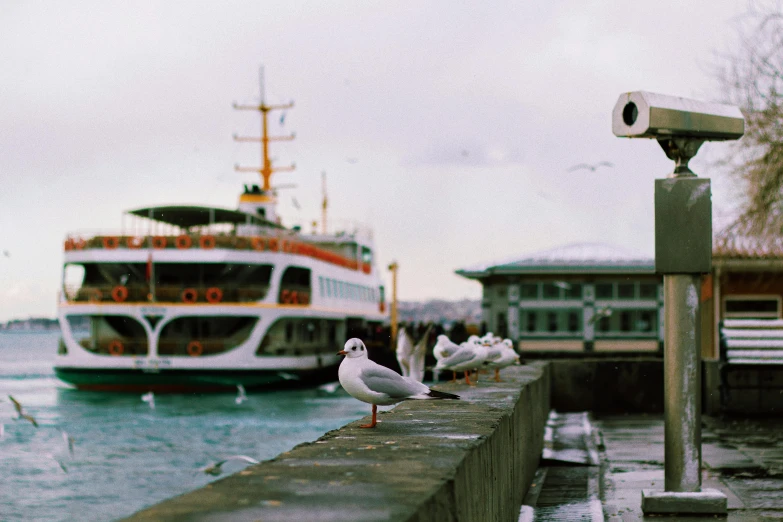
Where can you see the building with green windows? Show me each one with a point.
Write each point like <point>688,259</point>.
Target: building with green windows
<point>575,298</point>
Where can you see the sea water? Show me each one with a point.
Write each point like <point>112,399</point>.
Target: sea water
<point>126,455</point>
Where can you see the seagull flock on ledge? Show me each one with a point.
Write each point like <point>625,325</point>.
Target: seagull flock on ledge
<point>374,384</point>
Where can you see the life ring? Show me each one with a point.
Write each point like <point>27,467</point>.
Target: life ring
<point>273,244</point>
<point>183,241</point>
<point>304,298</point>
<point>195,348</point>
<point>189,295</point>
<point>119,293</point>
<point>116,348</point>
<point>159,242</point>
<point>78,244</point>
<point>294,298</point>
<point>258,243</point>
<point>214,295</point>
<point>285,296</point>
<point>111,242</point>
<point>68,244</point>
<point>207,242</point>
<point>134,241</point>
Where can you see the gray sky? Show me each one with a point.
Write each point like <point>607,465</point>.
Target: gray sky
<point>462,118</point>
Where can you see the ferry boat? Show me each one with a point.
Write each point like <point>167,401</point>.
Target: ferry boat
<point>200,298</point>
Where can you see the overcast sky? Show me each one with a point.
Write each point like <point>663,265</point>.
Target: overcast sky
<point>460,121</point>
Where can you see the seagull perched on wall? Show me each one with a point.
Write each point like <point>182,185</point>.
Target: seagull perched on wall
<point>418,355</point>
<point>404,351</point>
<point>470,356</point>
<point>374,384</point>
<point>590,167</point>
<point>445,347</point>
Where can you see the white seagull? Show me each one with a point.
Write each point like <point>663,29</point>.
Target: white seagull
<point>241,395</point>
<point>418,356</point>
<point>149,398</point>
<point>445,347</point>
<point>404,351</point>
<point>507,357</point>
<point>215,468</point>
<point>374,384</point>
<point>471,355</point>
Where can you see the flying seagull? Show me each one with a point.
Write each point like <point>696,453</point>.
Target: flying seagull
<point>22,414</point>
<point>215,469</point>
<point>600,314</point>
<point>149,397</point>
<point>591,168</point>
<point>241,396</point>
<point>68,441</point>
<point>372,383</point>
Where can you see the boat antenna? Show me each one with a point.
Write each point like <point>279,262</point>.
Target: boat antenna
<point>324,203</point>
<point>266,168</point>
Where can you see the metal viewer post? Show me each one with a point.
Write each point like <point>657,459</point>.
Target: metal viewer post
<point>683,251</point>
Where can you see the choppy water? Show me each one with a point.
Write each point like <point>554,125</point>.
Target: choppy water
<point>126,455</point>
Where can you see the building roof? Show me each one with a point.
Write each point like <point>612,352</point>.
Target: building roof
<point>187,216</point>
<point>572,258</point>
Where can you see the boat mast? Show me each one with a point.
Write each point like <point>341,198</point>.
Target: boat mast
<point>266,168</point>
<point>324,202</point>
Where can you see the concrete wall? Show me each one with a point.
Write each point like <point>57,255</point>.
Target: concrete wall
<point>439,461</point>
<point>608,385</point>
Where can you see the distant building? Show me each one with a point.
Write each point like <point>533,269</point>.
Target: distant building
<point>575,298</point>
<point>603,298</point>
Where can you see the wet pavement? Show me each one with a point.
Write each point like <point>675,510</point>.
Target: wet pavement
<point>743,458</point>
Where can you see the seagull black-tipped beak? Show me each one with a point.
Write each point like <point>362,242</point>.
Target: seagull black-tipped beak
<point>342,352</point>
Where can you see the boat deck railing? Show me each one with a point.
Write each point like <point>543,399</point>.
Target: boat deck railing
<point>145,293</point>
<point>281,244</point>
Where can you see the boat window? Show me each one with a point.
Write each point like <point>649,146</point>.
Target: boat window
<point>302,336</point>
<point>366,255</point>
<point>111,335</point>
<point>205,282</point>
<point>295,286</point>
<point>204,335</point>
<point>321,286</point>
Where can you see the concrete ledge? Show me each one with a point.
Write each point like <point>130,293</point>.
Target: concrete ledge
<point>426,461</point>
<point>705,502</point>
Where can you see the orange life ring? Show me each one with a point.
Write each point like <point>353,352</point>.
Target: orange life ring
<point>258,243</point>
<point>304,298</point>
<point>78,244</point>
<point>119,293</point>
<point>285,296</point>
<point>134,241</point>
<point>159,242</point>
<point>68,244</point>
<point>273,244</point>
<point>183,241</point>
<point>195,348</point>
<point>116,348</point>
<point>207,242</point>
<point>294,299</point>
<point>214,295</point>
<point>111,242</point>
<point>189,295</point>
